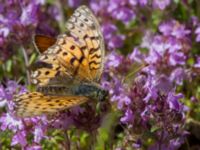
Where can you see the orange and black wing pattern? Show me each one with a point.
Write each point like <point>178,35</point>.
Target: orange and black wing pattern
<point>79,53</point>
<point>73,58</point>
<point>36,103</point>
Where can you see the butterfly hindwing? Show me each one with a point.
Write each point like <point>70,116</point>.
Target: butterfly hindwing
<point>44,70</point>
<point>35,103</point>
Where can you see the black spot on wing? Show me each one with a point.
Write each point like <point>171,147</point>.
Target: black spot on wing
<point>85,36</point>
<point>47,72</point>
<point>72,60</point>
<point>86,20</point>
<point>82,25</point>
<point>83,48</point>
<point>64,53</point>
<point>94,38</point>
<point>72,47</point>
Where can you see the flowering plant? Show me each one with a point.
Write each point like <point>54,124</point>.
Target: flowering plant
<point>151,71</point>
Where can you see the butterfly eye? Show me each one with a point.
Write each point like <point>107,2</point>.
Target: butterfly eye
<point>102,95</point>
<point>106,94</point>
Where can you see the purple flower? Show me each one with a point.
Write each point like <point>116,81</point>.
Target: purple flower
<point>19,138</point>
<point>113,60</point>
<point>122,100</point>
<point>8,92</point>
<point>100,7</point>
<point>4,32</point>
<point>108,30</point>
<point>2,93</point>
<point>20,20</point>
<point>137,144</point>
<point>113,40</point>
<point>8,121</point>
<point>177,58</point>
<point>38,133</point>
<point>170,47</point>
<point>116,41</point>
<point>74,3</point>
<point>173,28</point>
<point>163,84</point>
<point>133,2</point>
<point>161,4</point>
<point>128,117</point>
<point>118,10</point>
<point>21,127</point>
<point>136,56</point>
<point>174,101</point>
<point>34,147</point>
<point>197,64</point>
<point>143,2</point>
<point>178,75</point>
<point>123,14</point>
<point>29,14</point>
<point>174,144</point>
<point>197,32</point>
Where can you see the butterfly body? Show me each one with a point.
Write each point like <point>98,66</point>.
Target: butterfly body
<point>68,70</point>
<point>89,90</point>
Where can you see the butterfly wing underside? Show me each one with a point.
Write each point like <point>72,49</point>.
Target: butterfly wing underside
<point>84,26</point>
<point>36,103</point>
<point>76,56</point>
<point>80,51</point>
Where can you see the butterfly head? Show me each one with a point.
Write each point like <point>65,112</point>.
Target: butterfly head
<point>102,95</point>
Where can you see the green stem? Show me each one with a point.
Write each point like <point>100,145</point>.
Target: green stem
<point>26,59</point>
<point>61,22</point>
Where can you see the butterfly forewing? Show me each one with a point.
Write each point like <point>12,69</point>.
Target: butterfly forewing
<point>84,26</point>
<point>82,51</point>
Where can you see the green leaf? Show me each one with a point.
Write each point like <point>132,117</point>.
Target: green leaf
<point>9,65</point>
<point>105,132</point>
<point>177,1</point>
<point>32,58</point>
<point>154,128</point>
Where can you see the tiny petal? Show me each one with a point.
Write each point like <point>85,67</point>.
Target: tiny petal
<point>19,138</point>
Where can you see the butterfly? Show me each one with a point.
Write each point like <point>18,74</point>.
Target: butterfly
<point>68,70</point>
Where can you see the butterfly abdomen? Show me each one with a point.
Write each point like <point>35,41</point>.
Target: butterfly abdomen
<point>91,91</point>
<point>87,90</point>
<point>54,90</point>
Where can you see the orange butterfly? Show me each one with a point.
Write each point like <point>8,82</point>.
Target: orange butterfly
<point>68,70</point>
